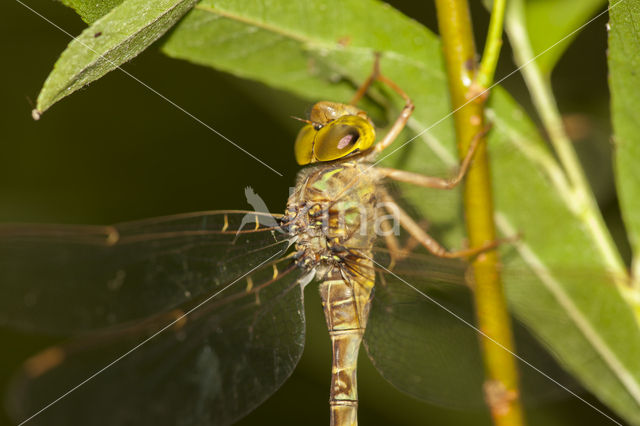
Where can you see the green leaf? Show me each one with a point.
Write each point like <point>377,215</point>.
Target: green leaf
<point>320,50</point>
<point>549,21</point>
<point>577,311</point>
<point>624,82</point>
<point>109,42</point>
<point>91,10</point>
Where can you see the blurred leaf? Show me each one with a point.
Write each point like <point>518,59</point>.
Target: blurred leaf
<point>109,42</point>
<point>548,21</point>
<point>624,82</point>
<point>320,50</point>
<point>91,10</point>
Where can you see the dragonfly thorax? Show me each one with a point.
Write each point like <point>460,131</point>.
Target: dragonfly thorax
<point>332,213</point>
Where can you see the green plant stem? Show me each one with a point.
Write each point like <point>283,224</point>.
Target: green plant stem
<point>501,383</point>
<point>583,200</point>
<point>492,46</point>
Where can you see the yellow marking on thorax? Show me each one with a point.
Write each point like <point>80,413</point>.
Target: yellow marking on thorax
<point>342,302</point>
<point>275,272</point>
<point>249,284</point>
<point>323,183</point>
<point>226,223</point>
<point>257,223</point>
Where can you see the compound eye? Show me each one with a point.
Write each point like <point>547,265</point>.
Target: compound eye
<point>303,147</point>
<point>343,136</point>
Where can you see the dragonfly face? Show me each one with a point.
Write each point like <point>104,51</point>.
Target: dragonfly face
<point>334,131</point>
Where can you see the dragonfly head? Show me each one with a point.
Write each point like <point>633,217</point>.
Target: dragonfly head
<point>334,130</point>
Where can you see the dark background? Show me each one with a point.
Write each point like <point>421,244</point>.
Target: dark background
<point>116,151</point>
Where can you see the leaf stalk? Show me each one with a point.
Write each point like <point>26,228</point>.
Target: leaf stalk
<point>492,46</point>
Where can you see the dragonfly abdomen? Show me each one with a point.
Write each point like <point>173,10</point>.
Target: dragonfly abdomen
<point>346,306</point>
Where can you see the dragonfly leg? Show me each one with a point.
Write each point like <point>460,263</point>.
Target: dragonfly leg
<point>432,181</point>
<point>412,242</point>
<point>375,72</point>
<point>402,119</point>
<point>406,112</point>
<point>425,239</point>
<point>396,251</point>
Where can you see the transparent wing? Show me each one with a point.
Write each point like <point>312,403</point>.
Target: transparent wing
<point>212,366</point>
<point>422,336</point>
<point>65,279</point>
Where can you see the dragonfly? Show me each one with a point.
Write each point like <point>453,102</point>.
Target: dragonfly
<point>197,318</point>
